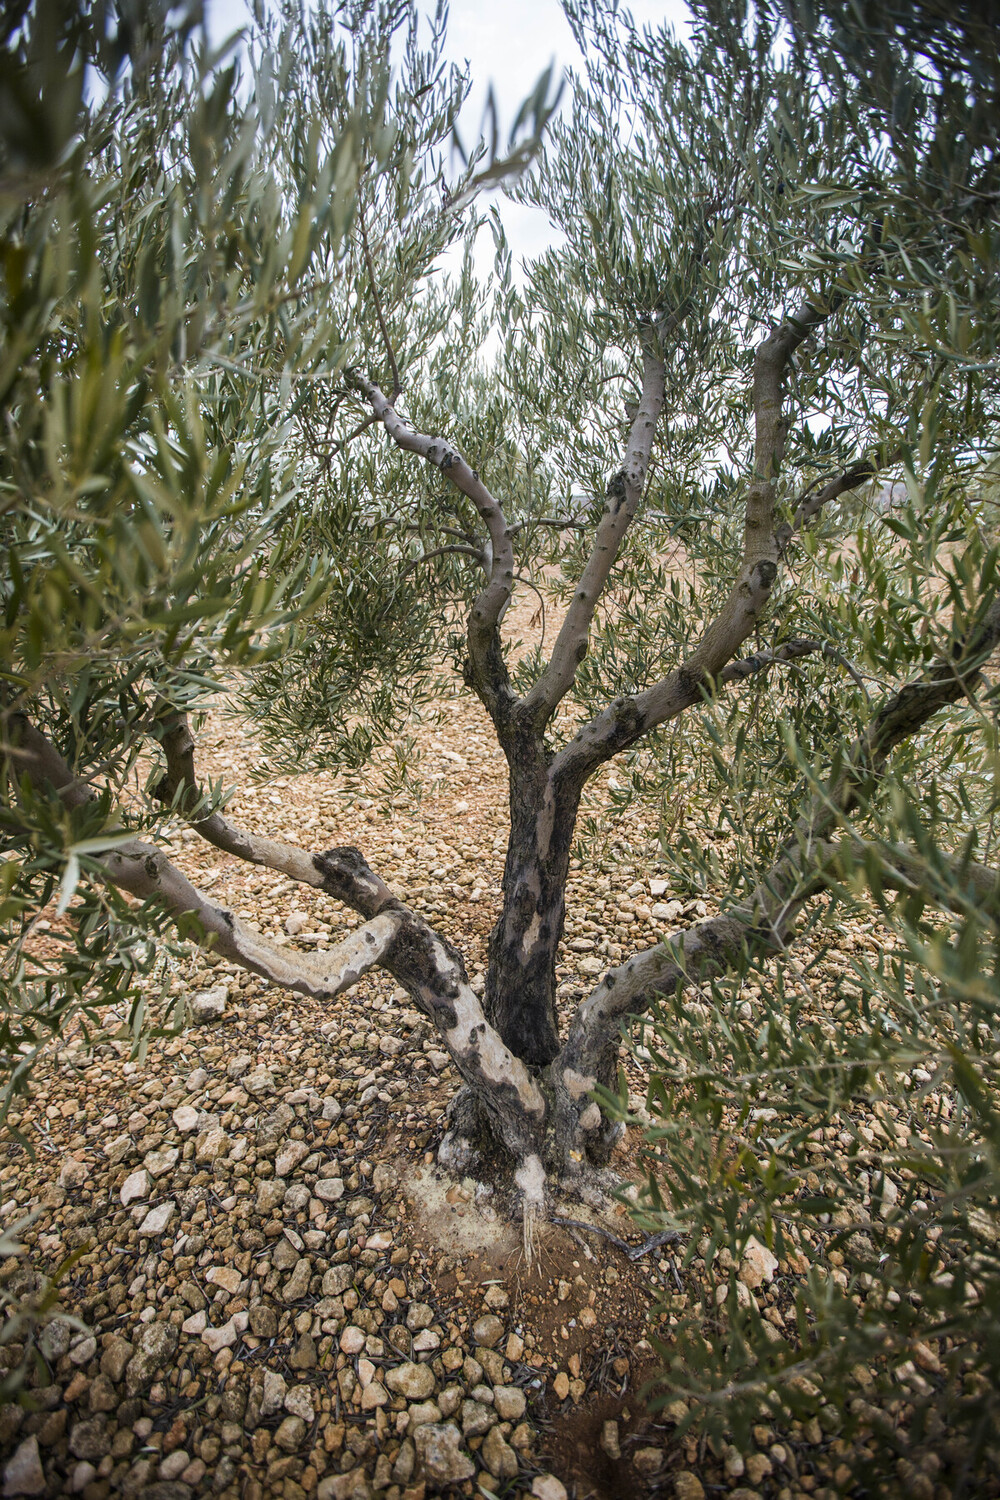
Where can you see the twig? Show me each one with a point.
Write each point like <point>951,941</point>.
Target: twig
<point>634,1252</point>
<point>443,552</point>
<point>396,387</point>
<point>521,579</point>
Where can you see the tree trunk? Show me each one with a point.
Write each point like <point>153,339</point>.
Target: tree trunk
<point>520,998</point>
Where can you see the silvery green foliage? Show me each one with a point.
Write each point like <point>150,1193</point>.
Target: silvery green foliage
<point>758,167</point>
<point>210,282</point>
<point>196,250</point>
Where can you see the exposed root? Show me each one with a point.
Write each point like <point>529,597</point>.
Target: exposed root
<point>530,1178</point>
<point>457,1154</point>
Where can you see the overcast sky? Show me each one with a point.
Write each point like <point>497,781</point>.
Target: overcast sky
<point>507,43</point>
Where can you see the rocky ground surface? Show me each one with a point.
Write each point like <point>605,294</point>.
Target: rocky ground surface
<point>279,1293</point>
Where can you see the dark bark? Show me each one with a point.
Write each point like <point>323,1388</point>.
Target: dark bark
<point>520,998</point>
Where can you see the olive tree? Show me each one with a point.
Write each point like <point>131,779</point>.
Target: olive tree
<point>256,443</point>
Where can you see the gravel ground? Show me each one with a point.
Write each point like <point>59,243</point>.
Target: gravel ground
<point>283,1296</point>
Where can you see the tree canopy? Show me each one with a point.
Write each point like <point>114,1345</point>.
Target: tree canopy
<point>739,425</point>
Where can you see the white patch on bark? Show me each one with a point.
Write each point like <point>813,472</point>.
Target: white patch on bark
<point>591,1117</point>
<point>321,975</point>
<point>474,1039</point>
<point>546,820</point>
<point>577,1084</point>
<point>531,935</point>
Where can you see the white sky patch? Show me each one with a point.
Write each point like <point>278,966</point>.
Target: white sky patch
<point>507,46</point>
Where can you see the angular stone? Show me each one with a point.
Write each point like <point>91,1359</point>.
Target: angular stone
<point>185,1117</point>
<point>687,1486</point>
<point>263,1321</point>
<point>439,1453</point>
<point>648,1461</point>
<point>273,1397</point>
<point>352,1341</point>
<point>156,1345</point>
<point>73,1173</point>
<point>423,1411</point>
<point>259,1082</point>
<point>406,1462</point>
<point>415,1382</point>
<point>56,1338</point>
<point>290,1434</point>
<point>221,1338</point>
<point>289,1157</point>
<point>337,1279</point>
<point>297,1285</point>
<point>270,1194</point>
<point>137,1186</point>
<point>210,1146</point>
<point>83,1350</point>
<point>510,1402</point>
<point>610,1442</point>
<point>352,1486</point>
<point>548,1487</point>
<point>303,1356</point>
<point>477,1418</point>
<point>225,1276</point>
<point>498,1456</point>
<point>159,1163</point>
<point>89,1439</point>
<point>158,1218</point>
<point>23,1473</point>
<point>373,1396</point>
<point>117,1353</point>
<point>116,1150</point>
<point>758,1264</point>
<point>299,1403</point>
<point>209,1005</point>
<point>80,1476</point>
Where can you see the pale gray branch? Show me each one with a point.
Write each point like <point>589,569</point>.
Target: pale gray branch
<point>624,495</point>
<point>809,863</point>
<point>392,936</point>
<point>488,670</point>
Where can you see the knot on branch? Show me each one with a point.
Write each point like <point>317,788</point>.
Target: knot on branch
<point>345,863</point>
<point>617,489</point>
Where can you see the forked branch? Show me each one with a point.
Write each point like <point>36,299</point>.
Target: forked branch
<point>624,495</point>
<point>392,936</point>
<point>811,861</point>
<point>488,671</point>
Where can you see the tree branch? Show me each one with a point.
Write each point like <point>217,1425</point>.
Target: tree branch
<point>629,718</point>
<point>487,669</point>
<point>143,871</point>
<point>451,550</point>
<point>432,971</point>
<point>392,936</point>
<point>396,386</point>
<point>771,362</point>
<point>816,496</point>
<point>179,788</point>
<point>749,666</point>
<point>623,498</point>
<point>767,918</point>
